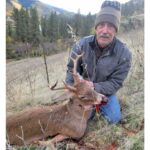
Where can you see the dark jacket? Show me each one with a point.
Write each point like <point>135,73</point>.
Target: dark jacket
<point>107,72</point>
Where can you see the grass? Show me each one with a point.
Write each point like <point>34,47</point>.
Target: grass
<point>27,86</point>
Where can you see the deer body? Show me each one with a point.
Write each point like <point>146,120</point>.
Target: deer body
<point>40,122</point>
<point>33,122</point>
<point>68,119</point>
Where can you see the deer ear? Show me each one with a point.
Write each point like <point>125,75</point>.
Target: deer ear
<point>70,88</point>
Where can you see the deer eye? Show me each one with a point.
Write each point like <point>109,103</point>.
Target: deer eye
<point>82,97</point>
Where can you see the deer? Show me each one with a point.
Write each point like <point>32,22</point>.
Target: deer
<point>61,121</point>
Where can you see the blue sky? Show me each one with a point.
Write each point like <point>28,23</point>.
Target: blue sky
<point>85,6</point>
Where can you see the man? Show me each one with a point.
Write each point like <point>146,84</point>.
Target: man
<point>106,60</point>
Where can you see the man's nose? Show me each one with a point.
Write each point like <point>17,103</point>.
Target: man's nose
<point>105,28</point>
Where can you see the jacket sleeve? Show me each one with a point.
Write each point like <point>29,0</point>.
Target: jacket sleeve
<point>75,50</point>
<point>115,80</point>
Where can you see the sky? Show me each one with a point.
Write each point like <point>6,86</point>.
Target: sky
<point>85,6</point>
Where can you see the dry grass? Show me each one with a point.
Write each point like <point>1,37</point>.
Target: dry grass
<point>27,81</point>
<point>27,86</point>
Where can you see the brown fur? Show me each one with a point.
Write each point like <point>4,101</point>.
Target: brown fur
<point>41,122</point>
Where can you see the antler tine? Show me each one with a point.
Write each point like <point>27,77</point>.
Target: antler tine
<point>69,87</point>
<point>66,86</point>
<point>75,61</point>
<point>53,87</point>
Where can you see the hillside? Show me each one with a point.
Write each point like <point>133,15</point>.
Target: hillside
<point>43,9</point>
<point>10,4</point>
<point>27,3</point>
<point>130,8</point>
<point>133,7</point>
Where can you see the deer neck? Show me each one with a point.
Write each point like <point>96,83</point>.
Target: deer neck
<point>78,110</point>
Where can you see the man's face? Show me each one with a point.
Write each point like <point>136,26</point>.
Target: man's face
<point>105,33</point>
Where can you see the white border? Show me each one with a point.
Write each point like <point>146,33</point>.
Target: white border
<point>147,74</point>
<point>2,76</point>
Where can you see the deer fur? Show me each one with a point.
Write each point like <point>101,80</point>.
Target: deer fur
<point>68,119</point>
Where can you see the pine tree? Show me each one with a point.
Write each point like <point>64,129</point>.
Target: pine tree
<point>17,19</point>
<point>88,23</point>
<point>53,27</point>
<point>44,26</point>
<point>34,26</point>
<point>63,26</point>
<point>23,25</point>
<point>27,25</point>
<point>78,23</point>
<point>9,31</point>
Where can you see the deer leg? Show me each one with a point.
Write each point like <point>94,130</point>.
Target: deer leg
<point>59,138</point>
<point>56,139</point>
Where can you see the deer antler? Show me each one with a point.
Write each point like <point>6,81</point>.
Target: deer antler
<point>69,87</point>
<point>53,87</point>
<point>76,76</point>
<point>66,86</point>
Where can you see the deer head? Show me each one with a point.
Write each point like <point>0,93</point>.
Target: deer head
<point>81,88</point>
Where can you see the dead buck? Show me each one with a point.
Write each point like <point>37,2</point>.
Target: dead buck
<point>68,120</point>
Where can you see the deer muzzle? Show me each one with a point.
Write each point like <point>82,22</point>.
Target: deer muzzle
<point>101,99</point>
